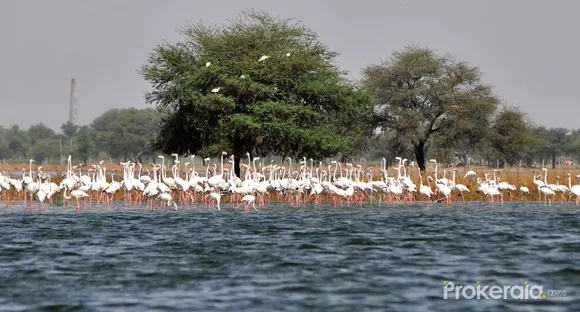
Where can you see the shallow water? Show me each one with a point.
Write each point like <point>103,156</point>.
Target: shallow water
<point>286,259</point>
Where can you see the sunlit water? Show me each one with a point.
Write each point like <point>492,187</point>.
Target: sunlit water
<point>286,259</point>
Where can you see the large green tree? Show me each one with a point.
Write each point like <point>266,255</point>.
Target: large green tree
<point>510,136</point>
<point>69,129</point>
<point>4,149</point>
<point>554,142</point>
<point>17,141</point>
<point>422,97</point>
<point>45,149</point>
<point>124,133</point>
<point>277,91</point>
<point>84,143</point>
<point>40,132</point>
<point>573,148</point>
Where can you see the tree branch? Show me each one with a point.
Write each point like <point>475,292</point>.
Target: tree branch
<point>430,130</point>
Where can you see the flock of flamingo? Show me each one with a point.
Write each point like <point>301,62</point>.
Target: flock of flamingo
<point>336,182</point>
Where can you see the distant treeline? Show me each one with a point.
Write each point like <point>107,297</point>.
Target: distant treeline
<point>117,134</point>
<point>127,134</point>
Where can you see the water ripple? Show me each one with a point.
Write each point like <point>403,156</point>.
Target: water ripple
<point>286,259</point>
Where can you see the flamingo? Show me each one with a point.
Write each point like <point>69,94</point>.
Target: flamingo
<point>545,189</point>
<point>425,190</point>
<point>214,198</point>
<point>441,187</point>
<point>459,187</point>
<point>248,200</point>
<point>77,194</point>
<point>217,179</point>
<point>524,190</point>
<point>168,199</point>
<point>574,189</point>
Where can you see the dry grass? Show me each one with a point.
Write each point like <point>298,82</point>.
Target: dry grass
<point>515,176</point>
<point>51,167</point>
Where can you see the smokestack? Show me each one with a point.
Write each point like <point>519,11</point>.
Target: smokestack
<point>73,102</point>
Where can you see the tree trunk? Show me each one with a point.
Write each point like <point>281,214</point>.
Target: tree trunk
<point>554,161</point>
<point>138,158</point>
<point>420,155</point>
<point>238,153</point>
<point>501,163</point>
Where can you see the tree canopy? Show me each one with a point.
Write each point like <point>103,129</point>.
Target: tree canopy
<point>275,90</point>
<point>124,133</point>
<point>425,100</point>
<point>510,136</point>
<point>117,133</point>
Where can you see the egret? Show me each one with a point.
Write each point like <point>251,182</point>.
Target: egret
<point>216,90</point>
<point>263,58</point>
<point>207,64</point>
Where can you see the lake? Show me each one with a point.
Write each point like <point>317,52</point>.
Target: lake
<point>393,258</point>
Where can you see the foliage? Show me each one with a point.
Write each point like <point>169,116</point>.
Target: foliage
<point>84,144</point>
<point>294,103</point>
<point>125,132</point>
<point>430,100</point>
<point>511,136</point>
<point>551,143</point>
<point>44,148</point>
<point>4,149</point>
<point>39,132</point>
<point>121,133</point>
<point>69,129</point>
<point>17,141</point>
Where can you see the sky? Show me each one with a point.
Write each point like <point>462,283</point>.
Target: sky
<point>527,50</point>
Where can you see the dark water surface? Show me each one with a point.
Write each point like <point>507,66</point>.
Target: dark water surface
<point>286,259</point>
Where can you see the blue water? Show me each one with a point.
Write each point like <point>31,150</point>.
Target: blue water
<point>286,259</point>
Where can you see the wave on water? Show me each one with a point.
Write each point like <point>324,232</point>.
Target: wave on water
<point>287,259</point>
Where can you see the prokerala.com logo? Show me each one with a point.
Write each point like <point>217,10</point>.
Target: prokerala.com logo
<point>478,291</point>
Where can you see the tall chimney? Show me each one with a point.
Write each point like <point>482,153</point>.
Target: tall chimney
<point>73,102</point>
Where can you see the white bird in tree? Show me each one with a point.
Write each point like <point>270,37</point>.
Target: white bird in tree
<point>243,77</point>
<point>263,58</point>
<point>288,54</point>
<point>216,90</point>
<point>207,64</point>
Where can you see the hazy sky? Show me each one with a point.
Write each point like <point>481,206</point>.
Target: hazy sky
<point>528,50</point>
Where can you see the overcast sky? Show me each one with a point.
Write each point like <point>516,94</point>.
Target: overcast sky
<point>528,50</point>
